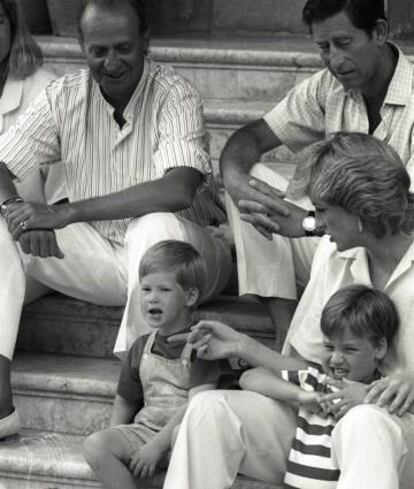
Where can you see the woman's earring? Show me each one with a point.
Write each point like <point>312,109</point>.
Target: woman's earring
<point>360,226</point>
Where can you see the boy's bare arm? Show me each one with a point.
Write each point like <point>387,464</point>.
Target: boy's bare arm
<point>123,411</point>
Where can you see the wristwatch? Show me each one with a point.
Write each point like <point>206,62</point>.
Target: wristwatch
<point>11,200</point>
<point>310,227</point>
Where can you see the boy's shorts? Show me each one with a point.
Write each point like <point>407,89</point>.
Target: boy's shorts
<point>137,435</point>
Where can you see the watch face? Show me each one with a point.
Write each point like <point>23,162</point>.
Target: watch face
<point>309,224</point>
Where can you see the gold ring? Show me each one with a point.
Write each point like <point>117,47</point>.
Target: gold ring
<point>23,225</point>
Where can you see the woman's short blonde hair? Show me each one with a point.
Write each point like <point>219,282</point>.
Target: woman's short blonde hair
<point>361,174</point>
<point>25,55</point>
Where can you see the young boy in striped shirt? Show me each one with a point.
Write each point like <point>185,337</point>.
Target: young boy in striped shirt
<point>358,324</point>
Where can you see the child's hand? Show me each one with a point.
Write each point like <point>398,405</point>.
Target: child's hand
<point>350,394</point>
<point>311,401</point>
<point>144,461</point>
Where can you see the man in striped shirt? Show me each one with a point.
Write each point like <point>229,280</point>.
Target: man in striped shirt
<point>130,135</point>
<point>367,86</point>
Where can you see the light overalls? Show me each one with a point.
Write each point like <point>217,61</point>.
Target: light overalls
<point>165,384</point>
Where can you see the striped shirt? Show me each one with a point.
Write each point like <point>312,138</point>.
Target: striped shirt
<point>310,465</point>
<point>320,106</point>
<point>71,121</point>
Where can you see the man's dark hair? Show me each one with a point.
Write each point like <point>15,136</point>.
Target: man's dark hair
<point>140,6</point>
<point>362,13</point>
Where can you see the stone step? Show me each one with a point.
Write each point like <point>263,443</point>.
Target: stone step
<point>64,394</point>
<point>41,460</point>
<point>60,324</point>
<point>221,69</point>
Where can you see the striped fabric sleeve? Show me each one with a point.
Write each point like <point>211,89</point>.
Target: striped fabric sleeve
<point>309,378</point>
<point>33,140</point>
<point>181,131</point>
<point>292,376</point>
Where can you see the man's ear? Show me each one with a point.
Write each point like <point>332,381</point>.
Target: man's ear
<point>380,32</point>
<point>381,349</point>
<point>192,296</point>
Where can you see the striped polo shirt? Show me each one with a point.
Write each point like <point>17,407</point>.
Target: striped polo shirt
<point>310,465</point>
<point>72,122</point>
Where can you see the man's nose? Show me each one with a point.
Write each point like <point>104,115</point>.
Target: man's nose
<point>336,58</point>
<point>111,62</point>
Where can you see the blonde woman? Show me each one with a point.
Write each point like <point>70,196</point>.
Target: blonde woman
<point>22,77</point>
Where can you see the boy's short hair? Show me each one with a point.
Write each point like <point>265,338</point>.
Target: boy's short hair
<point>178,257</point>
<point>368,313</point>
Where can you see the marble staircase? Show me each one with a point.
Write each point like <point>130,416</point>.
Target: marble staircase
<point>64,379</point>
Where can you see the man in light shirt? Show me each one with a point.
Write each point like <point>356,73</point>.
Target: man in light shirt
<point>367,86</point>
<point>130,136</point>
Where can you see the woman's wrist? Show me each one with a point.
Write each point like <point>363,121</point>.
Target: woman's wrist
<point>245,347</point>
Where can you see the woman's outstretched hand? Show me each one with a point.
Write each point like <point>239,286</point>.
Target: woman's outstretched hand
<point>214,340</point>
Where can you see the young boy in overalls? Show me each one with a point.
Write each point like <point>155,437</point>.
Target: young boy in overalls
<point>157,377</point>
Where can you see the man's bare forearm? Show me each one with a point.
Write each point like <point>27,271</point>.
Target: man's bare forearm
<point>171,193</point>
<point>245,148</point>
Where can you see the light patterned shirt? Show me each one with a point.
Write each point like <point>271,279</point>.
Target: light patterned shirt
<point>332,270</point>
<point>320,106</point>
<point>71,121</point>
<point>310,463</point>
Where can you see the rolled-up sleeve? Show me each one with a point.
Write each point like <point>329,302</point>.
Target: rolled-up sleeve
<point>181,131</point>
<point>33,140</point>
<point>299,119</point>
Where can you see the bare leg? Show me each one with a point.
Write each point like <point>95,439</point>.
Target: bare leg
<point>107,452</point>
<point>281,312</point>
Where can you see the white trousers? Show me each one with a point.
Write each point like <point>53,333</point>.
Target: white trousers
<point>270,268</point>
<point>228,432</point>
<point>97,270</point>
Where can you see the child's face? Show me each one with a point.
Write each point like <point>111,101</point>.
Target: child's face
<point>345,356</point>
<point>164,303</point>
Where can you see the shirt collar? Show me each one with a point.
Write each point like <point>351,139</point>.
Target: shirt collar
<point>359,266</point>
<point>12,95</point>
<point>400,88</point>
<point>141,84</point>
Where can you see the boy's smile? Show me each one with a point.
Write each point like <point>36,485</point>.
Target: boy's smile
<point>165,305</point>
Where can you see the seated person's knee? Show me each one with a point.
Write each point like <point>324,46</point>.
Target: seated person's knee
<point>94,448</point>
